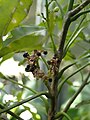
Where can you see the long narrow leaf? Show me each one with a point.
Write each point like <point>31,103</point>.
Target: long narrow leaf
<point>73,36</point>
<point>73,39</point>
<point>65,80</point>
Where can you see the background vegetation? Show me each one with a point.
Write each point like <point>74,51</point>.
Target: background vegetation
<point>62,28</point>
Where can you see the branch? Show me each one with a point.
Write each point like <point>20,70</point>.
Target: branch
<point>64,114</point>
<point>79,14</point>
<point>66,26</point>
<point>79,8</point>
<point>23,101</point>
<point>11,113</point>
<point>75,95</point>
<point>63,36</point>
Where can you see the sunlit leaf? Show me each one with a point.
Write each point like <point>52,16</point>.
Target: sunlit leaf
<point>26,43</point>
<point>12,13</point>
<point>25,30</point>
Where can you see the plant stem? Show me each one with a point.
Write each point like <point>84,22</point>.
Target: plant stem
<point>45,62</point>
<point>79,15</point>
<point>63,36</point>
<point>48,26</point>
<point>11,113</point>
<point>70,5</point>
<point>64,114</point>
<point>23,101</point>
<point>79,8</point>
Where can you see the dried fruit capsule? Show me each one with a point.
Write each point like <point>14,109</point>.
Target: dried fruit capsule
<point>25,55</point>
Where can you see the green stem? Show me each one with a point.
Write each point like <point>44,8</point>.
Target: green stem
<point>54,47</point>
<point>64,114</point>
<point>65,68</point>
<point>47,13</point>
<point>33,91</point>
<point>79,8</point>
<point>45,62</point>
<point>79,14</point>
<point>11,113</point>
<point>24,86</point>
<point>23,101</point>
<point>48,26</point>
<point>71,2</point>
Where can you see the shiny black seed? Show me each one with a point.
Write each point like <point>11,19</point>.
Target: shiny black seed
<point>27,69</point>
<point>50,79</point>
<point>25,55</point>
<point>45,52</point>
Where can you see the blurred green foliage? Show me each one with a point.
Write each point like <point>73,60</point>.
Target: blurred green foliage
<point>25,37</point>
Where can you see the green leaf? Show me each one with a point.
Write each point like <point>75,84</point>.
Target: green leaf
<point>6,57</point>
<point>25,30</point>
<point>26,43</point>
<point>74,38</point>
<point>12,13</point>
<point>6,9</point>
<point>75,72</point>
<point>84,102</point>
<point>74,35</point>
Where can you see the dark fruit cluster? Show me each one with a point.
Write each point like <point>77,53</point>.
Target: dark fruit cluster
<point>33,65</point>
<point>53,63</point>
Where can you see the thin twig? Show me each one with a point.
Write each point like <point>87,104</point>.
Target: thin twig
<point>79,15</point>
<point>11,113</point>
<point>48,26</point>
<point>71,2</point>
<point>23,101</point>
<point>67,24</point>
<point>79,8</point>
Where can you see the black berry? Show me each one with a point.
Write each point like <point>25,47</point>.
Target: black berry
<point>49,62</point>
<point>38,53</point>
<point>27,69</point>
<point>45,52</point>
<point>25,55</point>
<point>50,79</point>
